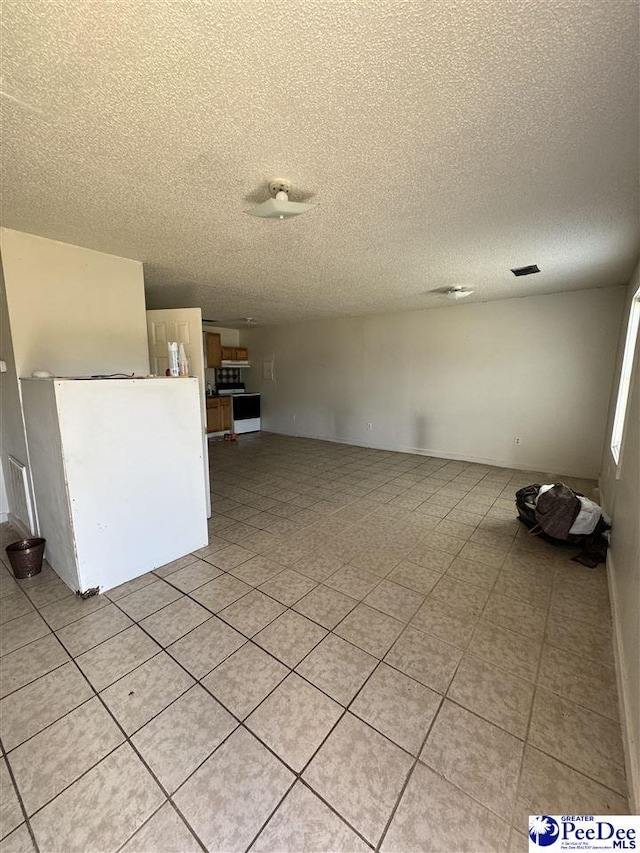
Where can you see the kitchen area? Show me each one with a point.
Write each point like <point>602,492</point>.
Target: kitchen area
<point>230,407</point>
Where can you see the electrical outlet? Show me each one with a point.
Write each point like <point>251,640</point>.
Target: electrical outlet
<point>369,425</point>
<point>517,440</point>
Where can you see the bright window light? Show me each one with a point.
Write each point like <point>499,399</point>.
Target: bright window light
<point>625,377</point>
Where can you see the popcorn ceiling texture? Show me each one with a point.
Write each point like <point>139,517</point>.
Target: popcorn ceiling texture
<point>444,142</point>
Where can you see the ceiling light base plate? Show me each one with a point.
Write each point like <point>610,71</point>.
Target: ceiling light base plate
<point>277,185</point>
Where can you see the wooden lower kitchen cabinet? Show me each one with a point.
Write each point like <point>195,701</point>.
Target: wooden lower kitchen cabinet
<point>218,414</point>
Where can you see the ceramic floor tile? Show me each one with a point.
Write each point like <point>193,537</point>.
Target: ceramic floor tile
<point>12,606</point>
<point>90,631</point>
<point>581,638</point>
<point>506,649</point>
<point>165,831</point>
<point>231,557</point>
<point>19,841</point>
<point>580,680</point>
<point>415,577</point>
<point>476,574</point>
<point>257,570</point>
<point>352,581</point>
<point>397,706</point>
<point>325,606</point>
<point>304,822</point>
<point>478,757</point>
<point>549,787</point>
<point>30,662</point>
<point>130,586</point>
<point>294,720</point>
<point>515,615</point>
<point>580,738</point>
<point>244,679</point>
<point>290,637</point>
<point>30,709</point>
<point>338,668</point>
<point>288,587</point>
<point>221,592</point>
<point>498,696</point>
<point>230,797</point>
<point>21,631</point>
<point>443,542</point>
<point>116,657</point>
<point>431,558</point>
<point>174,621</point>
<point>53,759</point>
<point>146,691</point>
<point>10,812</point>
<point>360,774</point>
<point>457,593</point>
<point>70,608</point>
<point>439,619</point>
<point>194,575</point>
<point>429,660</point>
<point>435,816</point>
<point>44,590</point>
<point>394,600</point>
<point>102,809</point>
<point>370,630</point>
<point>180,738</point>
<point>206,646</point>
<point>252,613</point>
<point>146,601</point>
<point>174,565</point>
<point>318,567</point>
<point>379,561</point>
<point>529,589</point>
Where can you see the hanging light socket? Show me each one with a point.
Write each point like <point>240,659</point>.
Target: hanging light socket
<point>279,206</point>
<point>458,293</point>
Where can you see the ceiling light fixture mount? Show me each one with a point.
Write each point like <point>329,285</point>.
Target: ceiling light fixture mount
<point>458,293</point>
<point>279,206</point>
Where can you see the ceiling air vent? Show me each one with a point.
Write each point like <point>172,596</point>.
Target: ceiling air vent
<point>526,270</point>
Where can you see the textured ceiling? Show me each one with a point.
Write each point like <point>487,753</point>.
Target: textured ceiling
<point>444,142</point>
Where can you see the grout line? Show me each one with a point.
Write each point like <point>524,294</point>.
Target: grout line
<point>266,474</point>
<point>20,801</point>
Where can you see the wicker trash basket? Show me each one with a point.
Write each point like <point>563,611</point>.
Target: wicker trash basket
<point>26,556</point>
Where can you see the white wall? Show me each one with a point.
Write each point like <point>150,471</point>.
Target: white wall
<point>621,496</point>
<point>73,310</point>
<point>460,382</point>
<point>228,337</point>
<point>68,310</point>
<point>13,441</point>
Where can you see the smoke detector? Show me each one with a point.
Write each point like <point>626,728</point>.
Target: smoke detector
<point>458,293</point>
<point>279,206</point>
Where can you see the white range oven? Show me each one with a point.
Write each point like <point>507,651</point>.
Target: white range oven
<point>245,411</point>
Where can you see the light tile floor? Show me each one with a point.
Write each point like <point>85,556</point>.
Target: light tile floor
<point>371,652</point>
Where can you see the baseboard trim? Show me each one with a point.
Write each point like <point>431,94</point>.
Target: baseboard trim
<point>631,748</point>
<point>436,454</point>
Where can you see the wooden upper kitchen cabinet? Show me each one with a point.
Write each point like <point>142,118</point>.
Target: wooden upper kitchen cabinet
<point>235,354</point>
<point>213,349</point>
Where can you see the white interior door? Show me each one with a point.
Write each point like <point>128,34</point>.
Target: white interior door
<point>185,326</point>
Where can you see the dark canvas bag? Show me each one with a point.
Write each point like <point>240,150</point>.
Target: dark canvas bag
<point>556,510</point>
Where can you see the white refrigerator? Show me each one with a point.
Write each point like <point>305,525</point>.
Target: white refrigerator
<point>118,474</point>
